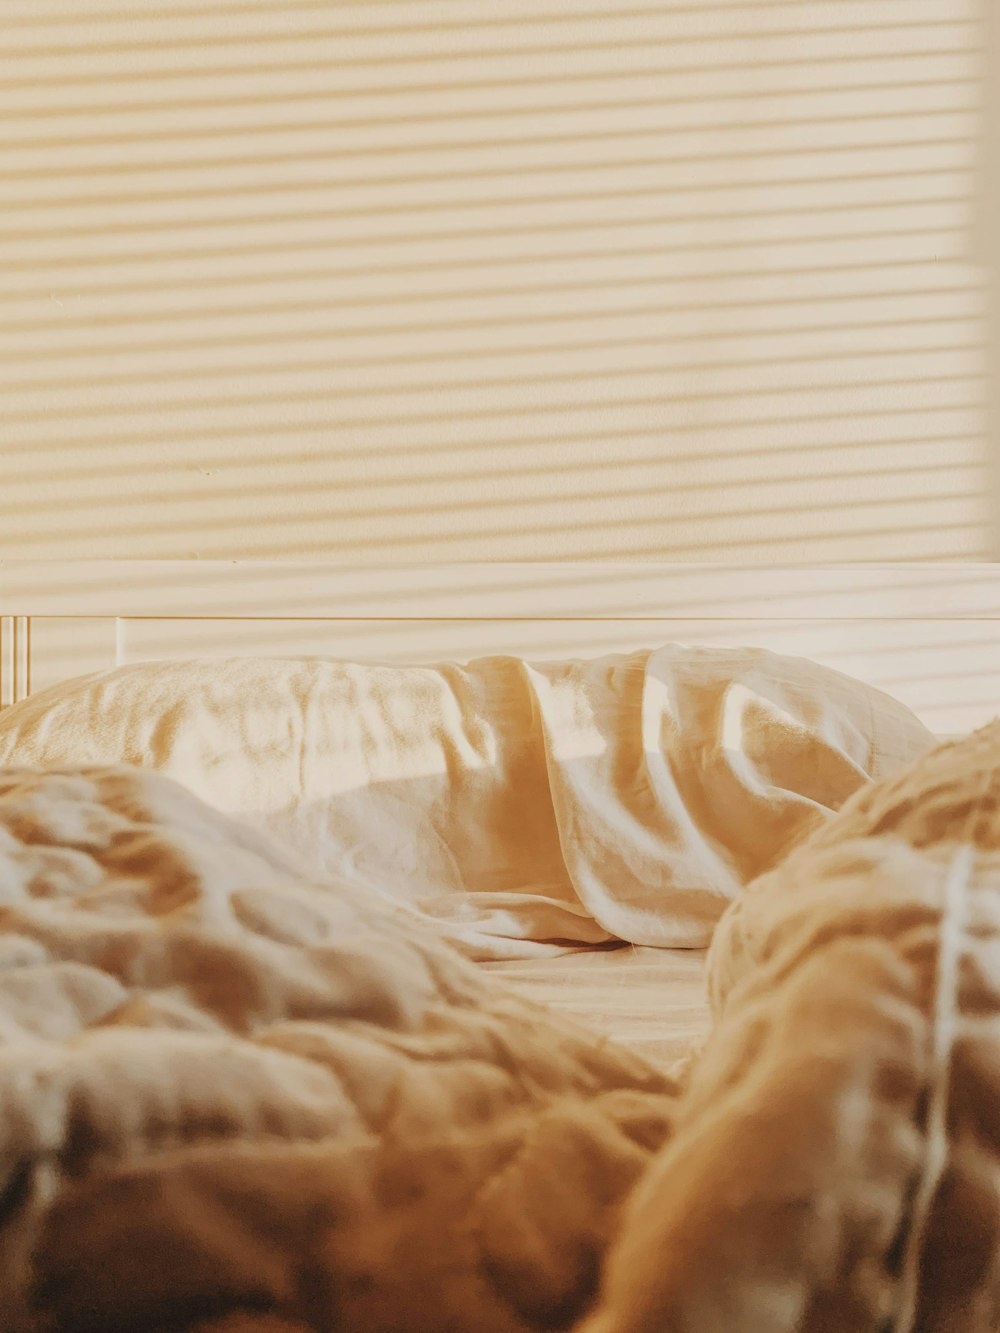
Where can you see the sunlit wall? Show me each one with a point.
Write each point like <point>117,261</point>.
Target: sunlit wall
<point>453,281</point>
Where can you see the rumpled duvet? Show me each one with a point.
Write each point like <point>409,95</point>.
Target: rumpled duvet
<point>233,1099</point>
<point>835,1161</point>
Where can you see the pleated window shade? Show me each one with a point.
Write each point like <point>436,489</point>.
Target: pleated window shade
<point>463,281</point>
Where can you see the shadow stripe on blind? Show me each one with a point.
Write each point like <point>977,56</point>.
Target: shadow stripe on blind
<point>960,99</point>
<point>395,10</point>
<point>614,16</point>
<point>849,59</point>
<point>958,119</point>
<point>279,275</point>
<point>268,97</point>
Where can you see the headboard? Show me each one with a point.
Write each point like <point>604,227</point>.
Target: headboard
<point>927,633</point>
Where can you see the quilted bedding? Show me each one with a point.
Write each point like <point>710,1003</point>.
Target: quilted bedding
<point>233,1099</point>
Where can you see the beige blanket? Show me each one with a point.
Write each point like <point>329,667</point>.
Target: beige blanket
<point>234,1100</point>
<point>835,1166</point>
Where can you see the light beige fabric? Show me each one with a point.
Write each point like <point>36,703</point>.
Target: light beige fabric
<point>653,1000</point>
<point>524,808</point>
<point>233,1099</point>
<point>836,1162</point>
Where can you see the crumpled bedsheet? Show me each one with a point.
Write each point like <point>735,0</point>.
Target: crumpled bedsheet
<point>236,1101</point>
<point>524,808</point>
<point>835,1162</point>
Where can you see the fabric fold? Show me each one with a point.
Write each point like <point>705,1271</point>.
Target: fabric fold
<point>523,807</point>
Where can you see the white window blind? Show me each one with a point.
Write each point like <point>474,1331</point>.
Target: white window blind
<point>455,281</point>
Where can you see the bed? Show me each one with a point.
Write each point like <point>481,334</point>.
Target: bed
<point>207,763</point>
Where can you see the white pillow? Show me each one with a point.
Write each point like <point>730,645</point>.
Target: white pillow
<point>521,807</point>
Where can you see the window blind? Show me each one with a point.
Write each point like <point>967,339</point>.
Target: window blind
<point>447,281</point>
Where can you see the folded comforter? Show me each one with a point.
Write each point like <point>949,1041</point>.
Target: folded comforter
<point>235,1100</point>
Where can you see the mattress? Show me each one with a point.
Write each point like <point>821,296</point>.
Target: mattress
<point>654,1000</point>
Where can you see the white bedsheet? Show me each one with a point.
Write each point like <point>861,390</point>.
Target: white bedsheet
<point>652,999</point>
